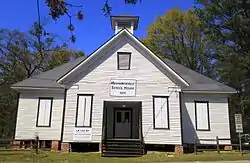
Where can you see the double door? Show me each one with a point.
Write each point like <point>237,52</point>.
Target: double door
<point>123,123</point>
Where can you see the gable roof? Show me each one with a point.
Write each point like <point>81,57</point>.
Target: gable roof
<point>48,79</point>
<point>192,80</point>
<point>197,81</point>
<point>112,40</point>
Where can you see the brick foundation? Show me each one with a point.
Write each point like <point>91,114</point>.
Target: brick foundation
<point>178,149</point>
<point>16,144</point>
<point>100,147</point>
<point>65,147</point>
<point>54,145</point>
<point>228,148</point>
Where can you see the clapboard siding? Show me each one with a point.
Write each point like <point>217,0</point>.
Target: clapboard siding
<point>150,81</point>
<point>27,116</point>
<point>218,114</point>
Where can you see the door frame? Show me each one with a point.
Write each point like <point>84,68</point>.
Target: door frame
<point>131,122</point>
<point>121,104</point>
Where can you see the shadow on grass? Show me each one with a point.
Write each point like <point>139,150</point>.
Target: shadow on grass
<point>12,153</point>
<point>54,157</point>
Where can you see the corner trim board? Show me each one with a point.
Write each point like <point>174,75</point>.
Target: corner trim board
<point>63,114</point>
<point>14,132</point>
<point>229,113</point>
<point>104,121</point>
<point>181,118</point>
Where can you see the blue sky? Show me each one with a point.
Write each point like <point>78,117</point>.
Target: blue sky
<point>95,29</point>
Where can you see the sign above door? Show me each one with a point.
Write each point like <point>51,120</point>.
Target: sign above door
<point>122,87</point>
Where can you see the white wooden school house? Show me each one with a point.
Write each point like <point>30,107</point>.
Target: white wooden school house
<point>122,98</point>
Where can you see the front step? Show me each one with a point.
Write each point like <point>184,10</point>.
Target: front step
<point>122,147</point>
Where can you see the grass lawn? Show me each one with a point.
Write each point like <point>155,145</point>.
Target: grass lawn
<point>53,157</point>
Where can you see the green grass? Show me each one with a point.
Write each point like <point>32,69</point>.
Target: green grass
<point>56,157</point>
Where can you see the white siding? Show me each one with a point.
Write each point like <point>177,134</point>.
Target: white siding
<point>27,117</point>
<point>150,81</point>
<point>218,115</point>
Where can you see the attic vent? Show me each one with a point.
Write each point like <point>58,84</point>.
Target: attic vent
<point>123,60</point>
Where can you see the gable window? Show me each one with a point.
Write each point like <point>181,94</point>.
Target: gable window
<point>84,110</point>
<point>202,121</point>
<point>160,112</point>
<point>44,112</point>
<point>123,60</point>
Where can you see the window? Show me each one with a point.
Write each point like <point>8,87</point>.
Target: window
<point>161,112</point>
<point>123,60</point>
<point>127,117</point>
<point>119,117</point>
<point>84,110</point>
<point>202,121</point>
<point>44,112</point>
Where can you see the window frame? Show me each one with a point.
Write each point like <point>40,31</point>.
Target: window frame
<point>208,116</point>
<point>38,110</point>
<point>118,60</point>
<point>161,128</point>
<point>77,108</point>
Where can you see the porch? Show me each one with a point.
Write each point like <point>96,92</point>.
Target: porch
<point>122,129</point>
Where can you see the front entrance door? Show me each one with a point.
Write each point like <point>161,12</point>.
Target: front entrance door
<point>122,123</point>
<point>122,120</point>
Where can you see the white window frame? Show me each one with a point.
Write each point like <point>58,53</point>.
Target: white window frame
<point>156,115</point>
<point>39,111</point>
<point>196,116</point>
<point>89,123</point>
<point>118,60</point>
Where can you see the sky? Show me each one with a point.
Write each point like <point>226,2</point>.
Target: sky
<point>95,28</point>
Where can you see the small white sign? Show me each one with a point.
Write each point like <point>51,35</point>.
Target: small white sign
<point>122,87</point>
<point>238,123</point>
<point>82,134</point>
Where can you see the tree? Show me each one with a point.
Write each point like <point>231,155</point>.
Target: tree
<point>21,56</point>
<point>180,37</point>
<point>227,23</point>
<point>61,55</point>
<point>59,8</point>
